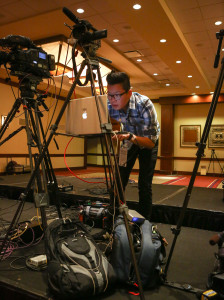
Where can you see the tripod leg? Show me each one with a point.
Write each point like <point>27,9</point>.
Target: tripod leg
<point>10,116</point>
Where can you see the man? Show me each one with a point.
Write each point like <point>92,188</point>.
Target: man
<point>138,119</point>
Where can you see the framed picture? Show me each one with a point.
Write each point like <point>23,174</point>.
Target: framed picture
<point>216,136</point>
<point>190,135</point>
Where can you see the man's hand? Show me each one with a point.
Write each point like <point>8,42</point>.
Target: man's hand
<point>120,136</point>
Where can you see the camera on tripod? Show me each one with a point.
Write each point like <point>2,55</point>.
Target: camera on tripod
<point>33,60</point>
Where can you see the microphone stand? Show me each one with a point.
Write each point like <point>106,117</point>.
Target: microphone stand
<point>201,146</point>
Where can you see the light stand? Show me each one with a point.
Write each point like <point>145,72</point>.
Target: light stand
<point>200,152</point>
<point>214,158</point>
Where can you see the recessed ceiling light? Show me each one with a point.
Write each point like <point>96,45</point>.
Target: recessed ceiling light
<point>80,10</point>
<point>155,74</point>
<point>137,6</point>
<point>178,61</point>
<point>167,84</point>
<point>115,40</point>
<point>222,49</point>
<point>211,92</point>
<point>139,59</point>
<point>193,94</point>
<point>197,87</point>
<point>163,41</point>
<point>218,23</point>
<point>189,76</point>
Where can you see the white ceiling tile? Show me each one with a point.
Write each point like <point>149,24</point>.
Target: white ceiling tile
<point>197,37</point>
<point>189,15</point>
<point>180,5</point>
<point>207,2</point>
<point>214,10</point>
<point>113,18</point>
<point>194,26</point>
<point>99,5</point>
<point>41,5</point>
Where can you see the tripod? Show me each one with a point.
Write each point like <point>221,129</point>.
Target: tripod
<point>201,146</point>
<point>113,180</point>
<point>214,158</point>
<point>45,179</point>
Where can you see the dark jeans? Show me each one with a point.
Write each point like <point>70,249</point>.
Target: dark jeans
<point>147,161</point>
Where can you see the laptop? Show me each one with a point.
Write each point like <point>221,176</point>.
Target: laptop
<point>82,115</point>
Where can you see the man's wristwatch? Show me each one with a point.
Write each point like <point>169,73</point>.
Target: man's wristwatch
<point>130,136</point>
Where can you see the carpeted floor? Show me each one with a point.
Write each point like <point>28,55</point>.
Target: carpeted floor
<point>200,181</point>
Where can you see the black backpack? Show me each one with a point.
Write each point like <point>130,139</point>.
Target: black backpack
<point>76,266</point>
<point>149,251</point>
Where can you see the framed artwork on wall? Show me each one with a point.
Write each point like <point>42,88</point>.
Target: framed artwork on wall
<point>216,136</point>
<point>190,135</point>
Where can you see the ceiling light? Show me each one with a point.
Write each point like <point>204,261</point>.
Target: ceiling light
<point>167,84</point>
<point>193,94</point>
<point>137,6</point>
<point>139,59</point>
<point>163,41</point>
<point>155,74</point>
<point>80,10</point>
<point>197,87</point>
<point>222,49</point>
<point>189,76</point>
<point>218,23</point>
<point>211,92</point>
<point>178,61</point>
<point>115,40</point>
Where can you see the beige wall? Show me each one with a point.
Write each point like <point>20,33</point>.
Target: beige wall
<point>190,114</point>
<point>18,144</point>
<point>195,114</point>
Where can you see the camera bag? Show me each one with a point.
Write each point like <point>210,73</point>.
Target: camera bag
<point>76,266</point>
<point>216,278</point>
<point>149,251</point>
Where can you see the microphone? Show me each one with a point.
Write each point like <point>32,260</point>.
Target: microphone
<point>70,15</point>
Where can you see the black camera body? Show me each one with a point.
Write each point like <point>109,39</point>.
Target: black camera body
<point>34,60</point>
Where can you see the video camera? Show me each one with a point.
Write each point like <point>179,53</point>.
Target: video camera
<point>83,31</point>
<point>34,60</point>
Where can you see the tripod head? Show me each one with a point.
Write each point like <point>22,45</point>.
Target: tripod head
<point>84,32</point>
<point>88,39</point>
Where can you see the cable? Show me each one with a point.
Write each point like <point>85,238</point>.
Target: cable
<point>71,170</point>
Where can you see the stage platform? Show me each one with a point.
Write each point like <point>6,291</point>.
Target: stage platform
<point>191,262</point>
<point>205,209</point>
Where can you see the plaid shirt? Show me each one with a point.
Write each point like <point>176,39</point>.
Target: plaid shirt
<point>140,118</point>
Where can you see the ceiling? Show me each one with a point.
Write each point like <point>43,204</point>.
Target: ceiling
<point>187,25</point>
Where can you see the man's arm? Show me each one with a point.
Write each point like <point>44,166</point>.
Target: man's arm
<point>141,141</point>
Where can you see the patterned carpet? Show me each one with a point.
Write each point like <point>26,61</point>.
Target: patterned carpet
<point>182,180</point>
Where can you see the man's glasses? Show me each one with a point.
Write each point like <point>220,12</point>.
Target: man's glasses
<point>115,96</point>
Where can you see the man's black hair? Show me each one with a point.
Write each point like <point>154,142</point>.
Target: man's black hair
<point>119,77</point>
